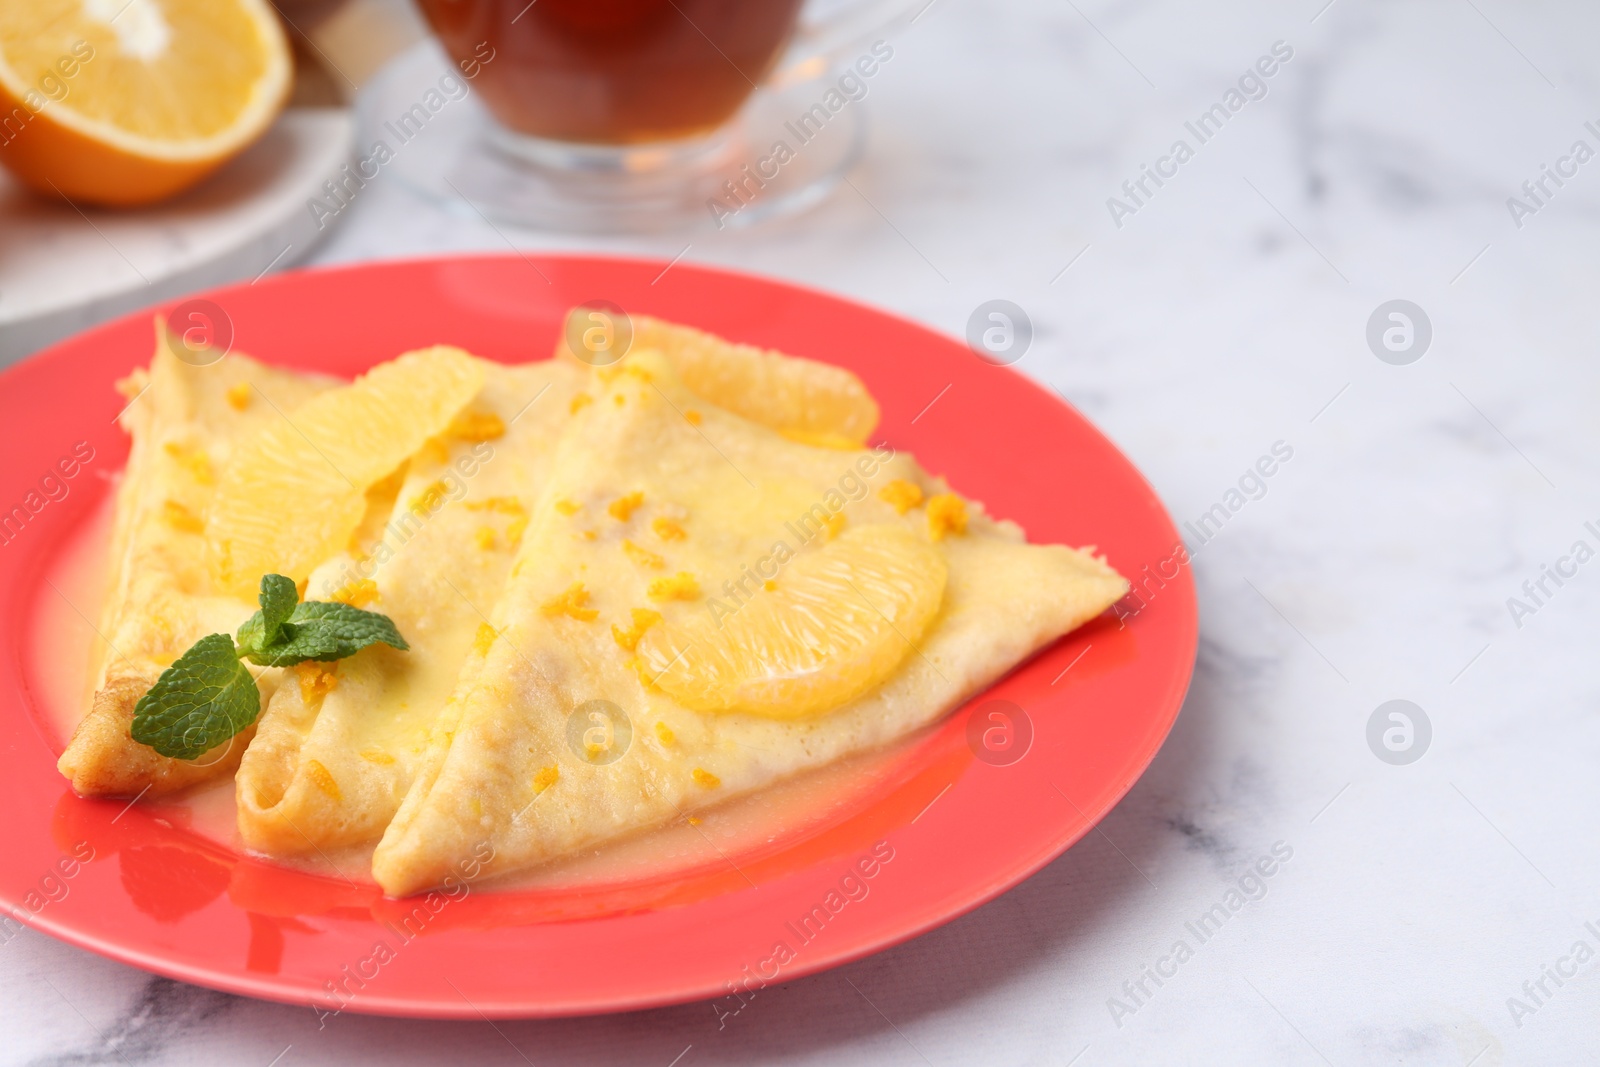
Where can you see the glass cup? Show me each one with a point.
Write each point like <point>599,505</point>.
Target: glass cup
<point>631,115</point>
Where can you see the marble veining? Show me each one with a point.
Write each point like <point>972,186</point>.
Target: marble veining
<point>146,1031</point>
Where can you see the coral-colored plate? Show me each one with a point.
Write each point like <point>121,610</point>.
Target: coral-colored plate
<point>948,825</point>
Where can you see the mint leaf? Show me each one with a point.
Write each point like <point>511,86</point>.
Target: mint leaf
<point>208,695</point>
<point>263,629</point>
<point>202,700</point>
<point>324,630</point>
<point>278,599</point>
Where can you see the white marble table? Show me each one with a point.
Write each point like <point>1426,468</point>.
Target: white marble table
<point>1227,313</point>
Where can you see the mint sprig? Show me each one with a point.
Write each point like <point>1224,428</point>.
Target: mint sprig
<point>208,695</point>
<point>316,629</point>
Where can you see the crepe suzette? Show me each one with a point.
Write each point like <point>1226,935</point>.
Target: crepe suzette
<point>237,470</point>
<point>701,607</point>
<point>334,755</point>
<point>186,417</point>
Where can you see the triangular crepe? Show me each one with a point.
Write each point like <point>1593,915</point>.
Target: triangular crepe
<point>328,769</point>
<point>185,417</point>
<point>509,764</point>
<point>249,484</point>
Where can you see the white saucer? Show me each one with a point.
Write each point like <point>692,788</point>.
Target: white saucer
<point>62,270</point>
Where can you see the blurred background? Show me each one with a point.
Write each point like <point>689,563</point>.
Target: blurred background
<point>1204,307</point>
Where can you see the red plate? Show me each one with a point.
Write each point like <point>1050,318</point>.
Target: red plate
<point>959,822</point>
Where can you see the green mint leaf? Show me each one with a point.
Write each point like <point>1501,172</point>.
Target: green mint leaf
<point>208,694</point>
<point>278,600</point>
<point>202,700</point>
<point>264,629</point>
<point>323,630</point>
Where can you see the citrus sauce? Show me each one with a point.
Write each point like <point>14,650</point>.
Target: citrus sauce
<point>64,639</point>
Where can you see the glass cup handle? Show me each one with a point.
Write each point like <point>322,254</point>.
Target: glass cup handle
<point>828,30</point>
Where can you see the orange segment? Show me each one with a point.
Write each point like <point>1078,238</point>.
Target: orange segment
<point>809,401</point>
<point>126,101</point>
<point>839,622</point>
<point>295,491</point>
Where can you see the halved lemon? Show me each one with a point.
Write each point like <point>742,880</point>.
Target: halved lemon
<point>296,491</point>
<point>835,624</point>
<point>123,102</point>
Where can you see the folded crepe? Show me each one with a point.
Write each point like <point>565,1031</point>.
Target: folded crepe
<point>186,419</point>
<point>333,757</point>
<point>238,470</point>
<point>700,607</point>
